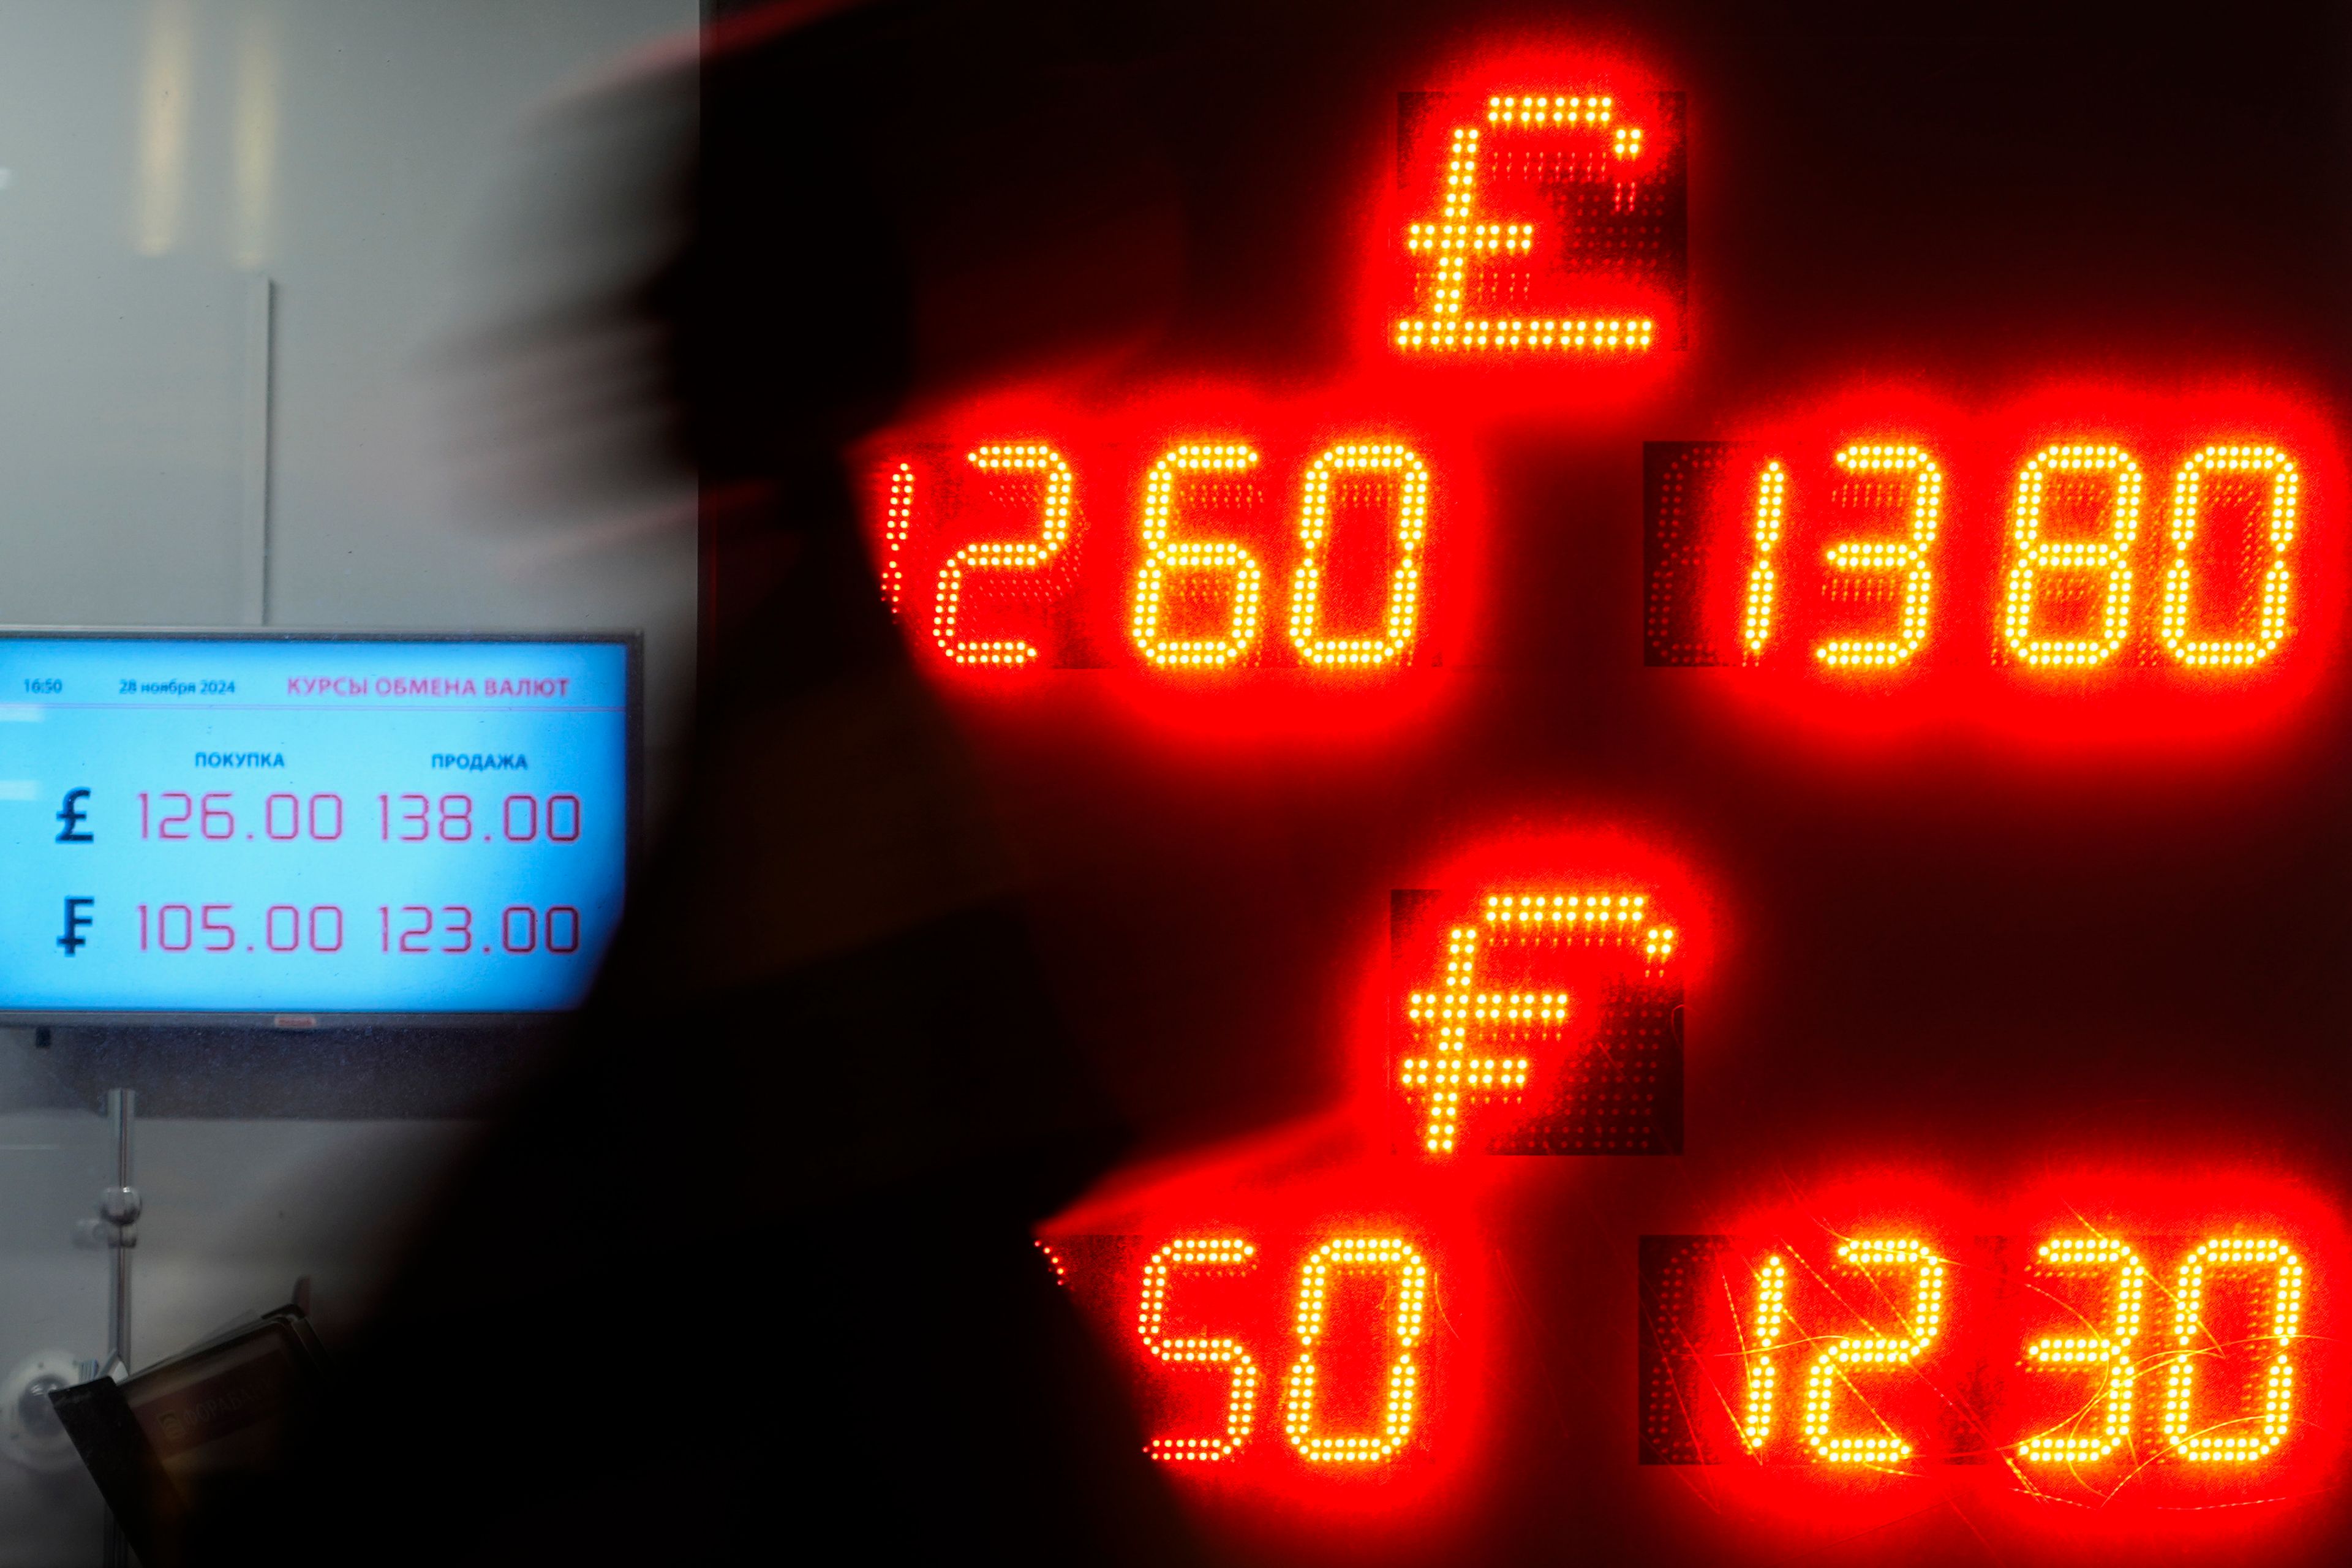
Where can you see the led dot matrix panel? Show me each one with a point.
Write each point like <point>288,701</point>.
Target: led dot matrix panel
<point>1861,557</point>
<point>2015,409</point>
<point>1546,225</point>
<point>1187,558</point>
<point>1310,1352</point>
<point>1535,1022</point>
<point>2088,1365</point>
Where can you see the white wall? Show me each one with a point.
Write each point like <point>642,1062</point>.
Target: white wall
<point>378,163</point>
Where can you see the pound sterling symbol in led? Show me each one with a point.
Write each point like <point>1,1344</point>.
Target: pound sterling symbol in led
<point>1458,237</point>
<point>1449,1074</point>
<point>72,816</point>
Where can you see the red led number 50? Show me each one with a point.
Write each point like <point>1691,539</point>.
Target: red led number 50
<point>1310,1434</point>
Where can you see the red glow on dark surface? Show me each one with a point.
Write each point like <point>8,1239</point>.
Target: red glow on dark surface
<point>1885,926</point>
<point>1967,672</point>
<point>1968,1401</point>
<point>1356,524</point>
<point>1286,1195</point>
<point>1508,386</point>
<point>1544,1021</point>
<point>1357,676</point>
<point>1499,268</point>
<point>1540,855</point>
<point>1290,1190</point>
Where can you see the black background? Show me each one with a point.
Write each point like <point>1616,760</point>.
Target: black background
<point>1932,948</point>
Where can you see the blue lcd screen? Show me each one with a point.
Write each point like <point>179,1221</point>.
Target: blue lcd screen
<point>309,825</point>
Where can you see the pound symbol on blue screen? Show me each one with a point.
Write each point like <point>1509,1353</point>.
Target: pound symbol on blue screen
<point>73,816</point>
<point>76,922</point>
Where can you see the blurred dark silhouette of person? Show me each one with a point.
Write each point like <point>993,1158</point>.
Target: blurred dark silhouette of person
<point>746,1275</point>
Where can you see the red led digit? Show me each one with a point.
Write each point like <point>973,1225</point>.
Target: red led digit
<point>1763,580</point>
<point>2111,1351</point>
<point>1829,1370</point>
<point>2110,557</point>
<point>1241,1399</point>
<point>1908,557</point>
<point>2206,1438</point>
<point>1403,602</point>
<point>1003,555</point>
<point>1763,1371</point>
<point>2175,613</point>
<point>1162,555</point>
<point>1396,1423</point>
<point>898,521</point>
<point>1457,237</point>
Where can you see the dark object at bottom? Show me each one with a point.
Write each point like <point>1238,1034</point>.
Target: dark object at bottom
<point>211,1421</point>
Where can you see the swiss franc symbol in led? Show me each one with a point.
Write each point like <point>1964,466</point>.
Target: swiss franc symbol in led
<point>1458,238</point>
<point>1449,1077</point>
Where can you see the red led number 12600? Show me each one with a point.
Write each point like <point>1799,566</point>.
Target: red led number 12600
<point>998,558</point>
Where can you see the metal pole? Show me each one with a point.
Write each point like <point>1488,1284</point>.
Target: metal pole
<point>118,1207</point>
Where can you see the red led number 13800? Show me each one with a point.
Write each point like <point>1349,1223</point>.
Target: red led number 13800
<point>1868,564</point>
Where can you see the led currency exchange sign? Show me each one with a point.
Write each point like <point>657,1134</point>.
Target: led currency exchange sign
<point>2075,545</point>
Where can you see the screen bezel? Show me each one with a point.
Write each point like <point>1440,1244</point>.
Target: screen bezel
<point>632,644</point>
